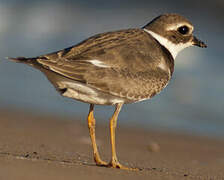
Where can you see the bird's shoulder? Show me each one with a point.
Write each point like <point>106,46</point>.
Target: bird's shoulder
<point>131,50</point>
<point>124,48</point>
<point>95,44</point>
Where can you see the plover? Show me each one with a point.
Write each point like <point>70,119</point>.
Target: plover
<point>117,68</point>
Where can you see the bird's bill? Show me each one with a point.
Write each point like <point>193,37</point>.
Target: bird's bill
<point>199,43</point>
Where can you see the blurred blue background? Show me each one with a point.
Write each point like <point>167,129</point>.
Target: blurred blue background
<point>192,103</point>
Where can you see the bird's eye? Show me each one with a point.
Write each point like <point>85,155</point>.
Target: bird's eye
<point>183,30</point>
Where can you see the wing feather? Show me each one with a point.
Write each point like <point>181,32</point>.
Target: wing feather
<point>127,70</point>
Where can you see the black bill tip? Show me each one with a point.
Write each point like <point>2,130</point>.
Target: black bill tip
<point>199,43</point>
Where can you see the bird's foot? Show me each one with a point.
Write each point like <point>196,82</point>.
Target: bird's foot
<point>116,164</point>
<point>100,162</point>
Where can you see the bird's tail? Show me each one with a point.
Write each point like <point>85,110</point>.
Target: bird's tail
<point>21,59</point>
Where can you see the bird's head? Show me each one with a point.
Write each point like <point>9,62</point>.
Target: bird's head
<point>174,32</point>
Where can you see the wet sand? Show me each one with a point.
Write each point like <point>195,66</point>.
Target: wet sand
<point>46,147</point>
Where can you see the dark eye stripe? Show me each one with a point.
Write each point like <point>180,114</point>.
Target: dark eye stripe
<point>183,30</point>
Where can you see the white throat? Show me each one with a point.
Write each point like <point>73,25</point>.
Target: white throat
<point>174,49</point>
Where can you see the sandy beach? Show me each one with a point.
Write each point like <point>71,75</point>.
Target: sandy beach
<point>47,147</point>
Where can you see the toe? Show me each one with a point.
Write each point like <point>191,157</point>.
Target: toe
<point>119,166</point>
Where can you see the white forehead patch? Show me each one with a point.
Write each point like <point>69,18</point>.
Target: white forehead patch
<point>98,63</point>
<point>174,49</point>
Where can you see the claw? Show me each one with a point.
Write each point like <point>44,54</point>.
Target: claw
<point>119,166</point>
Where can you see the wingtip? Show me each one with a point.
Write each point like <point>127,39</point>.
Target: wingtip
<point>9,58</point>
<point>17,59</point>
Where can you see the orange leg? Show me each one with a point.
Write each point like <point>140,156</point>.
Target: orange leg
<point>113,123</point>
<point>91,125</point>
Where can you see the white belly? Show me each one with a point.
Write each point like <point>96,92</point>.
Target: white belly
<point>83,92</point>
<point>80,91</point>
